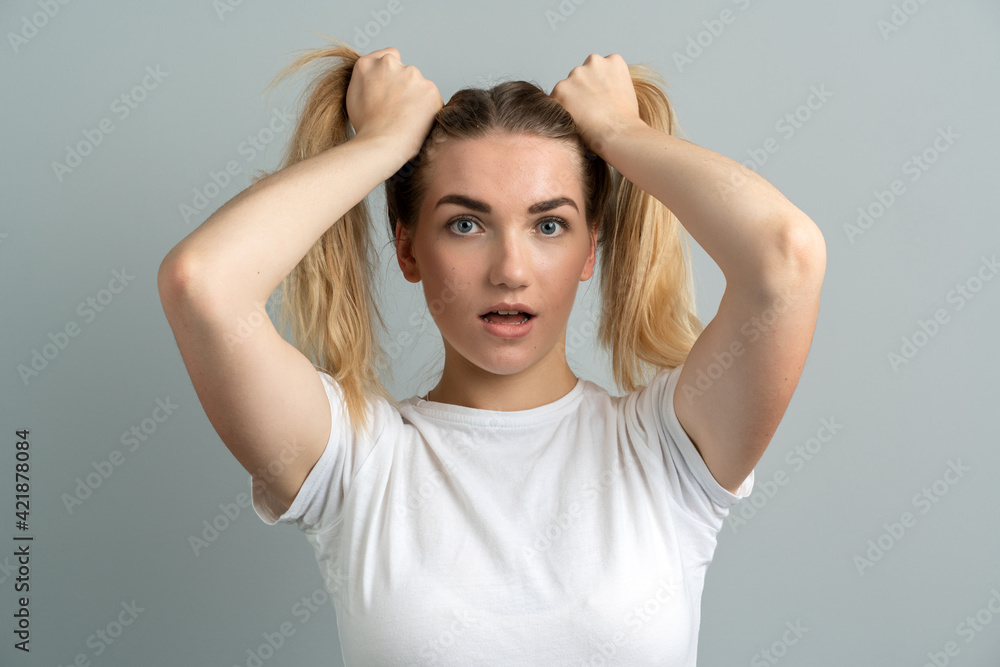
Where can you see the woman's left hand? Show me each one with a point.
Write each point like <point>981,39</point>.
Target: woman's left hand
<point>600,96</point>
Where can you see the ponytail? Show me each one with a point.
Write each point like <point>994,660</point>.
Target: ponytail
<point>648,318</point>
<point>329,298</point>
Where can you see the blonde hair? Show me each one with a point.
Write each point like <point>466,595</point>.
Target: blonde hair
<point>648,320</point>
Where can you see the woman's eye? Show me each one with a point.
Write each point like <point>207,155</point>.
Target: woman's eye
<point>466,223</point>
<point>553,224</point>
<point>549,226</point>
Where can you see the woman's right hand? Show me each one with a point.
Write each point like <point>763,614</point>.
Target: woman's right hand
<point>389,99</point>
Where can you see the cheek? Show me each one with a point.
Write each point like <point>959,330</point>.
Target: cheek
<point>446,287</point>
<point>442,261</point>
<point>566,265</point>
<point>565,279</point>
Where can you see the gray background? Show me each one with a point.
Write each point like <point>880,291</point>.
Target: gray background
<point>794,558</point>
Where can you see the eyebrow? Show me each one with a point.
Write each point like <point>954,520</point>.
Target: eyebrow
<point>483,207</point>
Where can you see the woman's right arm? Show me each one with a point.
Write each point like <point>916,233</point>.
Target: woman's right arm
<point>264,397</point>
<point>248,246</point>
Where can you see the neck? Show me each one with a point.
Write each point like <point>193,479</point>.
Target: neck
<point>470,386</point>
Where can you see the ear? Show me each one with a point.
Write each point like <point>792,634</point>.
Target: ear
<point>404,255</point>
<point>588,268</point>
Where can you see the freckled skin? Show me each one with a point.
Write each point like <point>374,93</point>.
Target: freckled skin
<point>504,255</point>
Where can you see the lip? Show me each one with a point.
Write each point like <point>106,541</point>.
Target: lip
<point>508,330</point>
<point>504,305</point>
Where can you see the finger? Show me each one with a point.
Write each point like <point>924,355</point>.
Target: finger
<point>387,51</point>
<point>392,51</point>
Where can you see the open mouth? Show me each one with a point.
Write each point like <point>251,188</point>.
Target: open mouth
<point>506,317</point>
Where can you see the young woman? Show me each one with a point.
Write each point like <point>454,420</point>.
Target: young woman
<point>516,514</point>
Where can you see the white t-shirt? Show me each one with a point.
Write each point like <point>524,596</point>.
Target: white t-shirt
<point>574,533</point>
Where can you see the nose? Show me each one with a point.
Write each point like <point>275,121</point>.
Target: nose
<point>510,262</point>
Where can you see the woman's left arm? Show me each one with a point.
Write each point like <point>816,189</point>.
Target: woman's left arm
<point>739,376</point>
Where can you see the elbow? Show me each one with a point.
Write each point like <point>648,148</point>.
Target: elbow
<point>801,255</point>
<point>809,250</point>
<point>171,274</point>
<point>176,278</point>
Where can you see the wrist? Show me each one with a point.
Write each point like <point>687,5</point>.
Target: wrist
<point>605,142</point>
<point>389,148</point>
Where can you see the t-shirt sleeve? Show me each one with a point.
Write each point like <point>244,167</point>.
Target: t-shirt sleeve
<point>690,482</point>
<point>317,506</point>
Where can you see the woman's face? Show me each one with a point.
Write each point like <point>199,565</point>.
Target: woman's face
<point>502,221</point>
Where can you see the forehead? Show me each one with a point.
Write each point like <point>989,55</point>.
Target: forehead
<point>515,168</point>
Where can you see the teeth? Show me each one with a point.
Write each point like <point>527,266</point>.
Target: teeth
<point>506,312</point>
